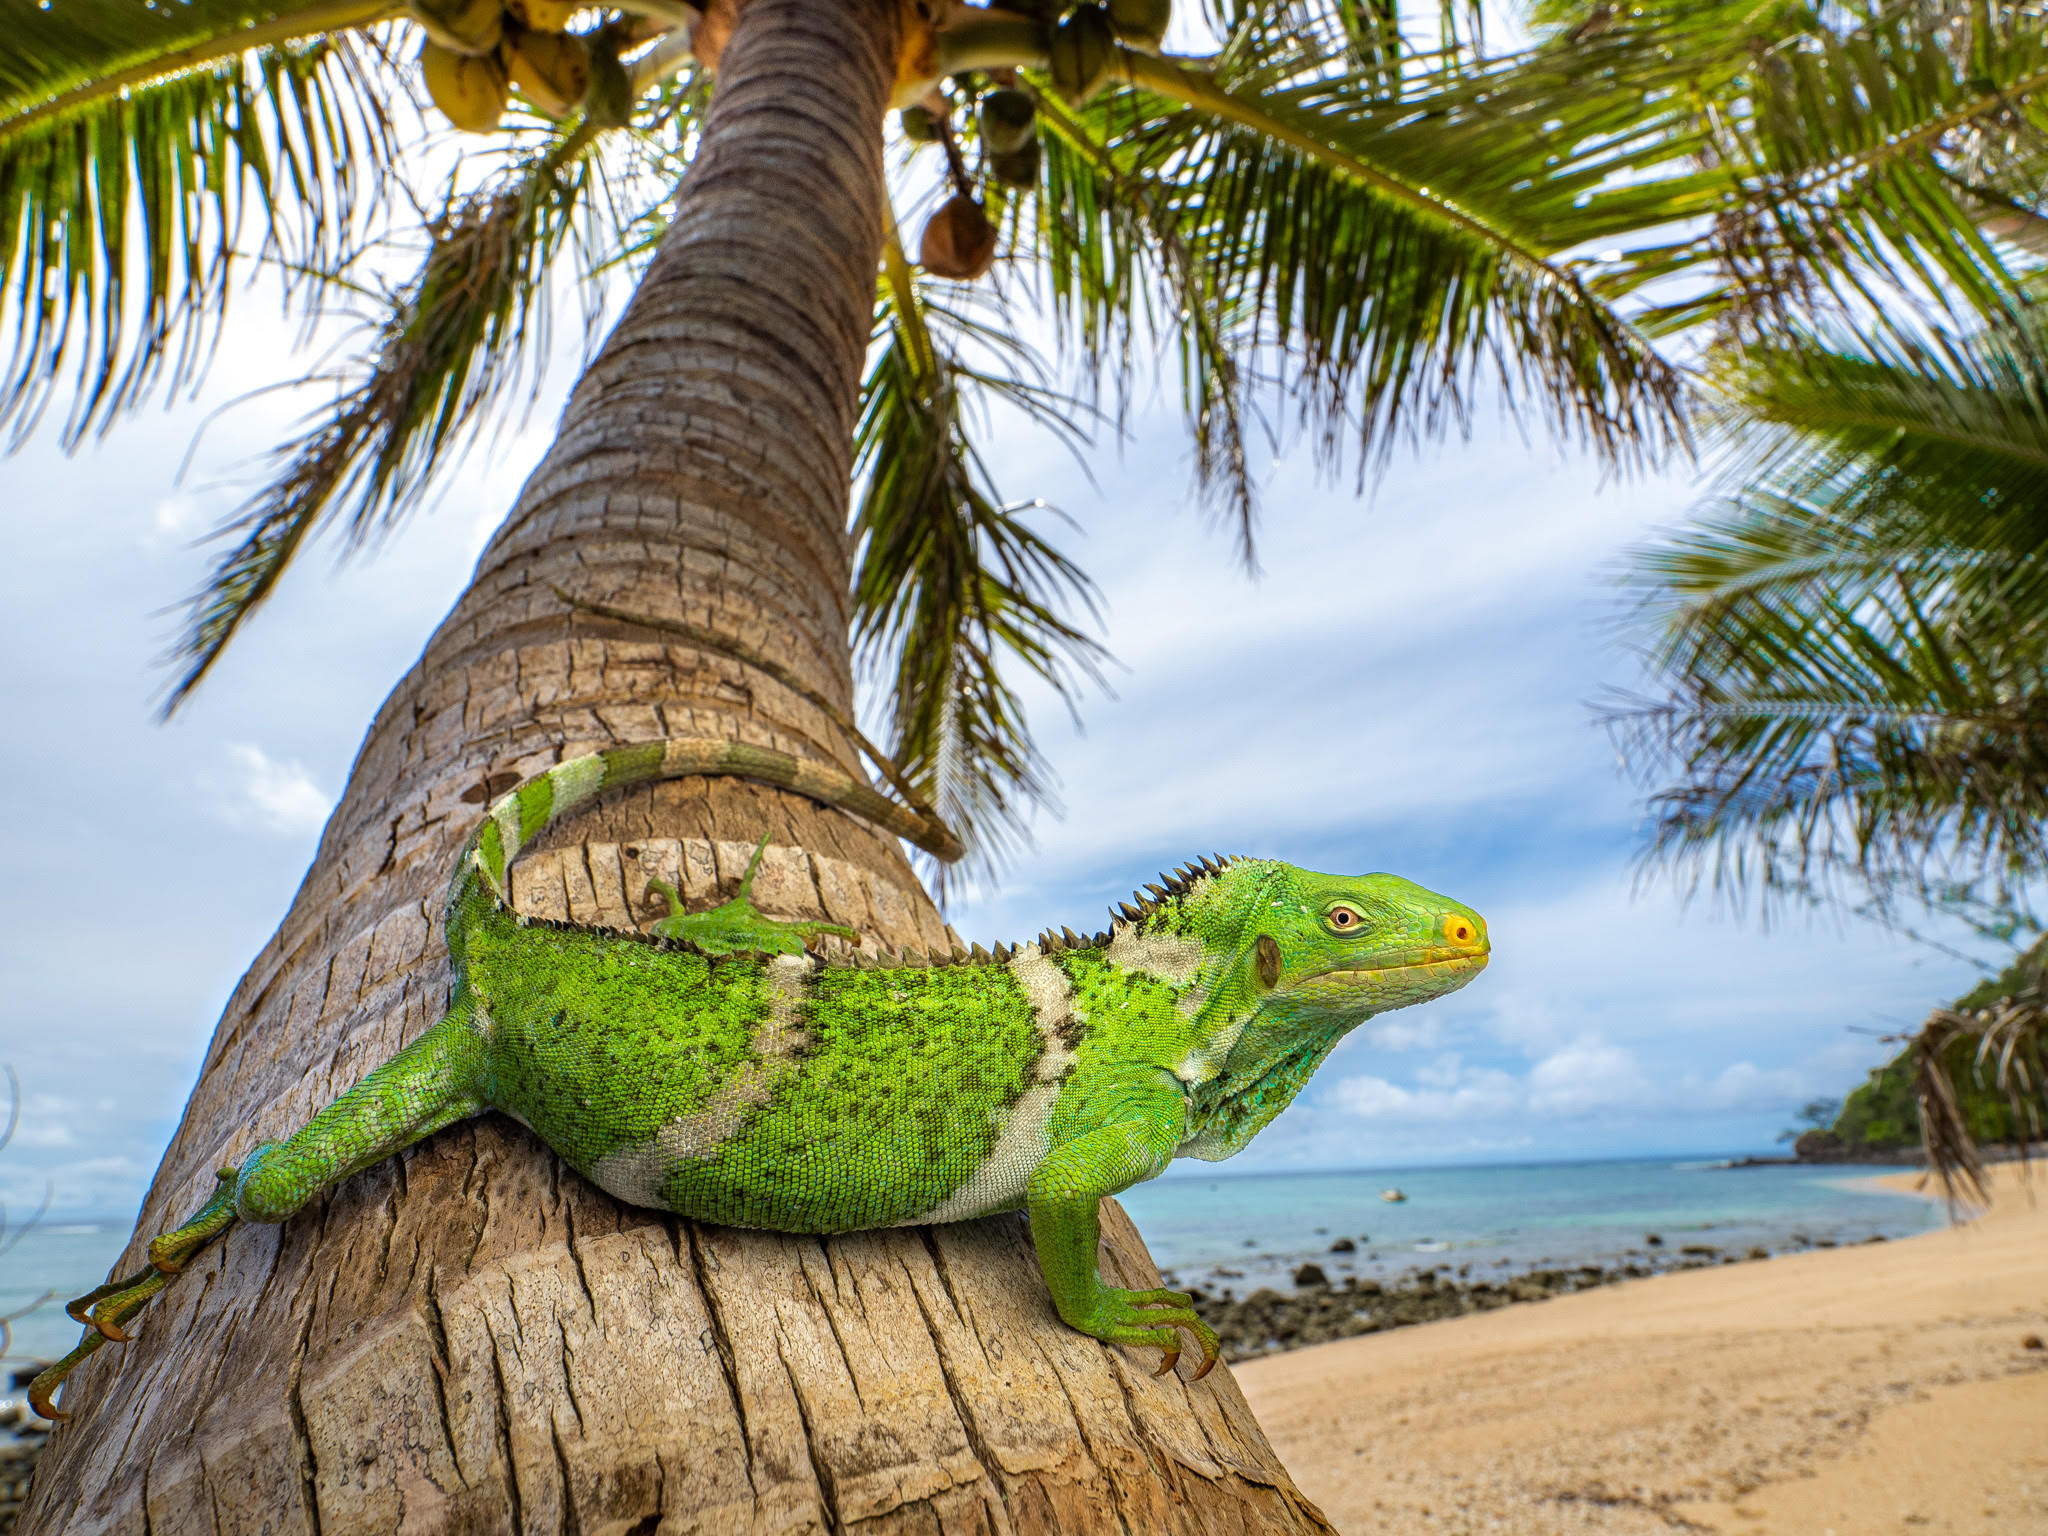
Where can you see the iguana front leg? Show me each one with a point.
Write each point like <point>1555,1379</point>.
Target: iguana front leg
<point>429,1084</point>
<point>1065,1199</point>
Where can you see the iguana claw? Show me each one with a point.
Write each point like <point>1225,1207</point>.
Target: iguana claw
<point>105,1308</point>
<point>1154,1319</point>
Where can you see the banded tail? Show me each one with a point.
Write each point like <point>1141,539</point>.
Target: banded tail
<point>515,818</point>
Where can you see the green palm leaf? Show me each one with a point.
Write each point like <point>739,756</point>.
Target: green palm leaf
<point>1862,158</point>
<point>57,57</point>
<point>450,350</point>
<point>953,589</point>
<point>1852,643</point>
<point>120,216</point>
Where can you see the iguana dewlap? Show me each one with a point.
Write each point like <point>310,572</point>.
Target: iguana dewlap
<point>719,1070</point>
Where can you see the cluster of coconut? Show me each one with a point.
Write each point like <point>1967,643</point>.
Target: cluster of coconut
<point>476,51</point>
<point>959,241</point>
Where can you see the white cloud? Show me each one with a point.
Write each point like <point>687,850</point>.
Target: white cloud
<point>44,1121</point>
<point>1408,1031</point>
<point>1478,1095</point>
<point>1588,1077</point>
<point>276,796</point>
<point>1525,1022</point>
<point>1746,1086</point>
<point>1441,1073</point>
<point>182,518</point>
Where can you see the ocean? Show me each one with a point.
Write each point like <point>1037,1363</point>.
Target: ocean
<point>1238,1231</point>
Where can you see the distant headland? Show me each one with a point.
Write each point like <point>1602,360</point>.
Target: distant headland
<point>1959,1063</point>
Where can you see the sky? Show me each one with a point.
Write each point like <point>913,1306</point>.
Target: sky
<point>1404,688</point>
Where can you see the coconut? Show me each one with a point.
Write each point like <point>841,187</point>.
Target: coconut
<point>1018,168</point>
<point>1141,23</point>
<point>1080,52</point>
<point>551,69</point>
<point>1009,121</point>
<point>544,15</point>
<point>470,27</point>
<point>958,242</point>
<point>470,92</point>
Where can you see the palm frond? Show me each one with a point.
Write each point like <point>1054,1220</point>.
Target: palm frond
<point>450,350</point>
<point>57,57</point>
<point>1371,256</point>
<point>1861,154</point>
<point>1852,642</point>
<point>120,217</point>
<point>953,589</point>
<point>1117,271</point>
<point>2003,1046</point>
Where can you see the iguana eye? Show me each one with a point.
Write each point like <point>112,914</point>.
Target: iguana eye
<point>1341,919</point>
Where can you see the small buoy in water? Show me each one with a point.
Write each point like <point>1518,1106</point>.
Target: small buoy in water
<point>1392,1196</point>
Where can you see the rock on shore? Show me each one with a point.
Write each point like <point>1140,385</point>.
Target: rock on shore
<point>18,1456</point>
<point>1268,1321</point>
<point>22,1437</point>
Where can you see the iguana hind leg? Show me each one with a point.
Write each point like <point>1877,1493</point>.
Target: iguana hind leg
<point>738,926</point>
<point>429,1084</point>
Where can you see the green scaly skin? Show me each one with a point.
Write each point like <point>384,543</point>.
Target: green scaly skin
<point>718,1070</point>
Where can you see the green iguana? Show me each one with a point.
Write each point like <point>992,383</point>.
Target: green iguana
<point>717,1069</point>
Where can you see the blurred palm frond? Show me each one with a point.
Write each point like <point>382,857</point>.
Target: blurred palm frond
<point>953,588</point>
<point>1852,638</point>
<point>451,349</point>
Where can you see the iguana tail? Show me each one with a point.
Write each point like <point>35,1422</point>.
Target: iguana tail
<point>517,817</point>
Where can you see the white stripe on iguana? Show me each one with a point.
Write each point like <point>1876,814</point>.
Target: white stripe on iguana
<point>1177,960</point>
<point>577,780</point>
<point>506,814</point>
<point>569,784</point>
<point>1173,958</point>
<point>1022,1144</point>
<point>636,1173</point>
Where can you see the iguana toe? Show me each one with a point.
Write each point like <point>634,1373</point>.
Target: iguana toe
<point>1153,1319</point>
<point>105,1309</point>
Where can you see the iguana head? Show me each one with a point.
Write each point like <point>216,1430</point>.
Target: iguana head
<point>1340,948</point>
<point>1296,959</point>
<point>1332,950</point>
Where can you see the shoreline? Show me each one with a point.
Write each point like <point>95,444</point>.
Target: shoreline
<point>1321,1307</point>
<point>1228,1242</point>
<point>1320,1310</point>
<point>1896,1387</point>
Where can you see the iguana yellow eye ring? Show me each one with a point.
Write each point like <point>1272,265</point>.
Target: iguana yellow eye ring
<point>1459,930</point>
<point>1344,920</point>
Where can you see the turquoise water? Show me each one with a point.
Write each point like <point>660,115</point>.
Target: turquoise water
<point>1243,1230</point>
<point>1247,1229</point>
<point>68,1258</point>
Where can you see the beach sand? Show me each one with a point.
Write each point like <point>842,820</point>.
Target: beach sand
<point>1882,1388</point>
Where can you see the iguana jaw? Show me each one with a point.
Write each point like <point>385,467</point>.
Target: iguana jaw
<point>1443,962</point>
<point>1399,980</point>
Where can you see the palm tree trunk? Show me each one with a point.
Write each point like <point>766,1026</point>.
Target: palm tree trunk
<point>468,1338</point>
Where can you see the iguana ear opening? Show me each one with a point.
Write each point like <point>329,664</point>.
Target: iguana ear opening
<point>1268,960</point>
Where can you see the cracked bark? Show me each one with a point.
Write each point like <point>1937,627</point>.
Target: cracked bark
<point>545,1354</point>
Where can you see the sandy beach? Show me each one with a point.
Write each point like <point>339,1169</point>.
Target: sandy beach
<point>1882,1388</point>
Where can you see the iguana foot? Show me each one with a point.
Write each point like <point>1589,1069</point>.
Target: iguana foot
<point>105,1309</point>
<point>738,926</point>
<point>1150,1319</point>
